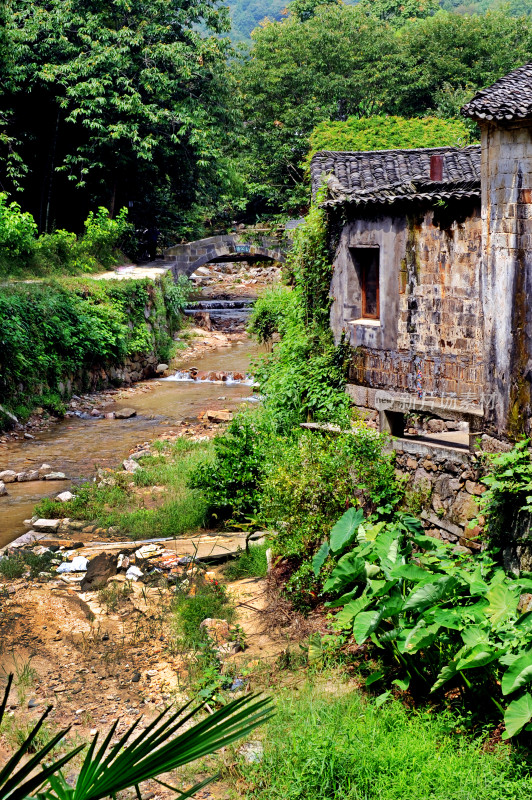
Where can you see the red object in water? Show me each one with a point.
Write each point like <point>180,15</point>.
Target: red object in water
<point>436,168</point>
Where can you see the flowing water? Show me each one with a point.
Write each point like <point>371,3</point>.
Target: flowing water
<point>78,446</point>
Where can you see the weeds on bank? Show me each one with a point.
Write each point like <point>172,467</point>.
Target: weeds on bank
<point>15,566</point>
<point>326,742</point>
<point>123,500</point>
<point>248,564</point>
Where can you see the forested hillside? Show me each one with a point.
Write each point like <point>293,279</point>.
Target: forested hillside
<point>247,14</point>
<point>153,109</point>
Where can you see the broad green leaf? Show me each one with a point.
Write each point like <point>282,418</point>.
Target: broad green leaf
<point>402,683</point>
<point>445,674</point>
<point>382,698</point>
<point>393,605</point>
<point>420,636</point>
<point>517,715</point>
<point>409,572</point>
<point>475,634</point>
<point>518,674</point>
<point>502,603</point>
<point>449,617</point>
<point>374,677</point>
<point>320,558</point>
<point>413,525</point>
<point>430,593</point>
<point>344,599</point>
<point>371,570</point>
<point>345,617</point>
<point>378,588</point>
<point>369,532</point>
<point>348,570</point>
<point>345,529</point>
<point>365,623</point>
<point>478,656</point>
<point>525,621</point>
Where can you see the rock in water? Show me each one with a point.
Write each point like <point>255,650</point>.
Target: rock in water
<point>8,476</point>
<point>3,490</point>
<point>125,413</point>
<point>47,525</point>
<point>161,368</point>
<point>55,476</point>
<point>100,569</point>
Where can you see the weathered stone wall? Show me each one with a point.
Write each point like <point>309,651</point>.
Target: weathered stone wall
<point>446,484</point>
<point>506,169</point>
<point>429,335</point>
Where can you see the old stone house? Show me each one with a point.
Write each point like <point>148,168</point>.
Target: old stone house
<point>432,279</point>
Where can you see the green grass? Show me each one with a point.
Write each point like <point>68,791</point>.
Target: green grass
<point>13,567</point>
<point>174,511</point>
<point>252,564</point>
<point>210,600</point>
<point>326,743</point>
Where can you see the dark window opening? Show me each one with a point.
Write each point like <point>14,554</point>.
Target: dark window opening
<point>367,265</point>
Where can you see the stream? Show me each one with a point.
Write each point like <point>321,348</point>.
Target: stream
<point>78,446</point>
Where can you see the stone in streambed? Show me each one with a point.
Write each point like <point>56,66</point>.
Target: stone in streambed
<point>3,490</point>
<point>8,476</point>
<point>100,569</point>
<point>47,525</point>
<point>130,465</point>
<point>125,413</point>
<point>64,497</point>
<point>219,416</point>
<point>55,476</point>
<point>31,475</point>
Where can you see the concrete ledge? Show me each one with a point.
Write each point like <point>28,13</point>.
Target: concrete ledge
<point>457,454</point>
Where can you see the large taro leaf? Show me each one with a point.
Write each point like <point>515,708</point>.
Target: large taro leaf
<point>320,558</point>
<point>422,635</point>
<point>345,529</point>
<point>478,656</point>
<point>410,572</point>
<point>365,623</point>
<point>502,603</point>
<point>475,634</point>
<point>349,569</point>
<point>518,674</point>
<point>517,715</point>
<point>453,618</point>
<point>446,674</point>
<point>345,617</point>
<point>430,593</point>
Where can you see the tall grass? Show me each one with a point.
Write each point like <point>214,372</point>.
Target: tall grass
<point>325,746</point>
<point>172,511</point>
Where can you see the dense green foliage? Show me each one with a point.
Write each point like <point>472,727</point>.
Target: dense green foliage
<point>23,252</point>
<point>57,330</point>
<point>115,103</point>
<point>437,619</point>
<point>386,133</point>
<point>346,62</point>
<point>327,742</point>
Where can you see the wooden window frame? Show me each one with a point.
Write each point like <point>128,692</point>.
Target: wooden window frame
<point>363,277</point>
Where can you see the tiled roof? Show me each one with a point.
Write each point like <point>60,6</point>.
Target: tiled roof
<point>388,176</point>
<point>507,99</point>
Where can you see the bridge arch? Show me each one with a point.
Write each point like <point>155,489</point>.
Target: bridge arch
<point>187,258</point>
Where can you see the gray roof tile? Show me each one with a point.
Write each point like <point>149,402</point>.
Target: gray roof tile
<point>388,176</point>
<point>508,98</point>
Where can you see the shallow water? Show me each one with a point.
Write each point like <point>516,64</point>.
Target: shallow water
<point>78,446</point>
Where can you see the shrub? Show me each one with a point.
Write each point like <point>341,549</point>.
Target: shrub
<point>272,312</point>
<point>438,619</point>
<point>231,480</point>
<point>17,230</point>
<point>103,235</point>
<point>387,133</point>
<point>56,329</point>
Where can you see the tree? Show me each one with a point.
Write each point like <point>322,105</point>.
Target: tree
<point>345,62</point>
<point>114,101</point>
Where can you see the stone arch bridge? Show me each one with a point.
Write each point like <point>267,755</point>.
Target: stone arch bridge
<point>184,259</point>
